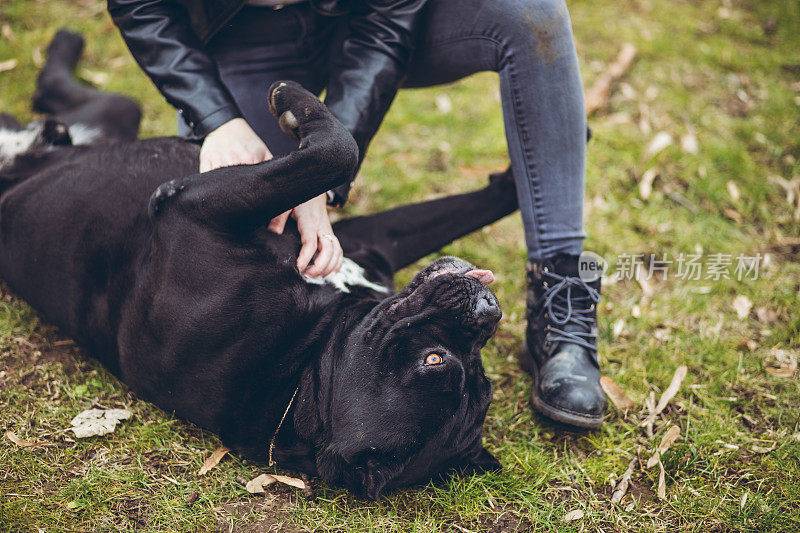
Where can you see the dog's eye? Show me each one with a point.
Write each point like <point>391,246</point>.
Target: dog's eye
<point>433,359</point>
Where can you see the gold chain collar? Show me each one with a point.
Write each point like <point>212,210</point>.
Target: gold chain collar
<point>275,435</point>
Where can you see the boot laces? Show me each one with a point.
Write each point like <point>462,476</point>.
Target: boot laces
<point>563,308</point>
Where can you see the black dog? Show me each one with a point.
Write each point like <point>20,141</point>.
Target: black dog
<point>171,280</point>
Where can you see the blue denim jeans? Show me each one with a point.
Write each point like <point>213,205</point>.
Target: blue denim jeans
<point>528,42</point>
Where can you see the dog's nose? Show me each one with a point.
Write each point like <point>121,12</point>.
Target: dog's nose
<point>486,309</point>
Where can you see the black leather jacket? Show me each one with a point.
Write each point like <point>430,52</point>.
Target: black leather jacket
<point>166,37</point>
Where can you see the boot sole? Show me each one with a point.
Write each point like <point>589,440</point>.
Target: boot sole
<point>544,408</point>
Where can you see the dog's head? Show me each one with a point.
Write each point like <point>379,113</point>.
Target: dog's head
<point>409,394</point>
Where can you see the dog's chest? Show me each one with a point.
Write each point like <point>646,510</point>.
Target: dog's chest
<point>350,275</point>
<point>14,143</point>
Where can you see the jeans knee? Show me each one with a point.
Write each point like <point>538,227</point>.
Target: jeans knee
<point>545,22</point>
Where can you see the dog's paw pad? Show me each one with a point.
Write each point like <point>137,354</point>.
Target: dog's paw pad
<point>288,123</point>
<point>289,96</point>
<point>163,193</point>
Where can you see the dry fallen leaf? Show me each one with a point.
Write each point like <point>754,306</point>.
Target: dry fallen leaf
<point>662,334</point>
<point>742,306</point>
<point>689,143</point>
<point>750,344</point>
<point>675,384</point>
<point>25,444</point>
<point>443,104</point>
<point>733,214</point>
<point>616,394</point>
<point>291,481</point>
<point>733,190</point>
<point>766,315</point>
<point>646,183</point>
<point>571,516</point>
<point>7,65</point>
<point>97,422</point>
<point>661,140</point>
<point>95,76</point>
<point>667,441</point>
<point>762,449</point>
<point>37,57</point>
<point>257,484</point>
<point>662,482</point>
<point>622,486</point>
<point>619,326</point>
<point>648,288</point>
<point>8,33</point>
<point>782,363</point>
<point>650,403</point>
<point>118,62</point>
<point>792,190</point>
<point>213,459</point>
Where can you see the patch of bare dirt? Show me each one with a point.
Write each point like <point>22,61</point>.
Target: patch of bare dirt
<point>259,515</point>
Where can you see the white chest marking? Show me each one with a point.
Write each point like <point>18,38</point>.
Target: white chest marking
<point>350,274</point>
<point>13,143</point>
<point>83,134</point>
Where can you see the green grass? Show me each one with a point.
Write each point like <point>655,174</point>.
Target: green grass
<point>726,70</point>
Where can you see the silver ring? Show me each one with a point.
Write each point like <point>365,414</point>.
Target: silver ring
<point>329,236</point>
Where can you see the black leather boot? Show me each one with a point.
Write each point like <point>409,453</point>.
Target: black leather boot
<point>561,343</point>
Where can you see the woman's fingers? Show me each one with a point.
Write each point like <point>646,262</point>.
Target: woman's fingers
<point>233,143</point>
<point>307,251</point>
<point>314,226</point>
<point>326,251</point>
<point>278,223</point>
<point>339,260</point>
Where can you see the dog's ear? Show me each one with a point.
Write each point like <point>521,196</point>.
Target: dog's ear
<point>478,463</point>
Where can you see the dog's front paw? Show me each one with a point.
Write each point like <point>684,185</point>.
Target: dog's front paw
<point>294,107</point>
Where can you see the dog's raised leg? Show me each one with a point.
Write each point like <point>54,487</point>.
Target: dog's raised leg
<point>406,234</point>
<point>241,198</point>
<point>91,114</point>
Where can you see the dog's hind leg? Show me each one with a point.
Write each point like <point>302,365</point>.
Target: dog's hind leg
<point>406,234</point>
<point>9,122</point>
<point>241,198</point>
<point>56,90</point>
<point>90,114</point>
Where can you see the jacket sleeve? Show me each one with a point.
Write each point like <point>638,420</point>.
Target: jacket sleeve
<point>159,35</point>
<point>369,68</point>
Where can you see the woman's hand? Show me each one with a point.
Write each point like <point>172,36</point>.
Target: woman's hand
<point>233,143</point>
<point>316,235</point>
